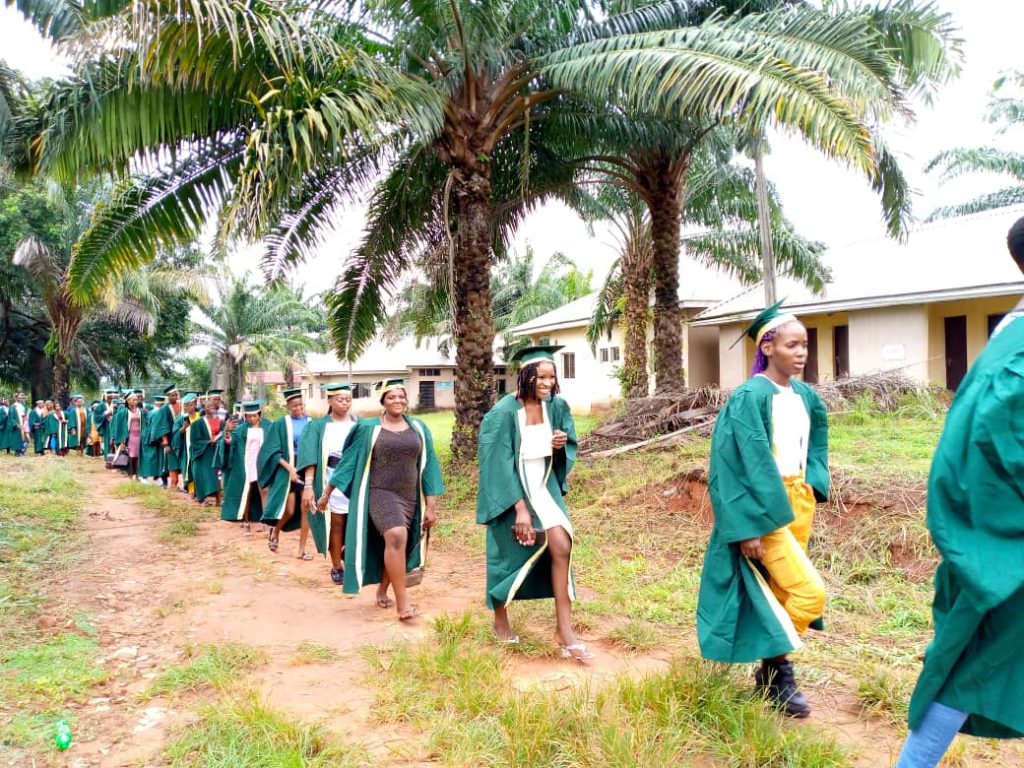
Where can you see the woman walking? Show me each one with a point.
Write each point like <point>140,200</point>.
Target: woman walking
<point>283,510</point>
<point>320,453</point>
<point>527,450</point>
<point>244,500</point>
<point>759,591</point>
<point>391,475</point>
<point>126,432</point>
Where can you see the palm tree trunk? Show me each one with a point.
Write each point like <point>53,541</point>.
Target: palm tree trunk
<point>474,325</point>
<point>60,378</point>
<point>289,376</point>
<point>636,277</point>
<point>667,191</point>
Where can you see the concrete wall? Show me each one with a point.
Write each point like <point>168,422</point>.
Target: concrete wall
<point>734,361</point>
<point>826,325</point>
<point>977,312</point>
<point>594,381</point>
<point>891,338</point>
<point>702,356</point>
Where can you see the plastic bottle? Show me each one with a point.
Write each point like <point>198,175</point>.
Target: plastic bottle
<point>62,738</point>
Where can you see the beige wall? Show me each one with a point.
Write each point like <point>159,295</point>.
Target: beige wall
<point>702,356</point>
<point>734,361</point>
<point>826,325</point>
<point>890,338</point>
<point>977,312</point>
<point>594,381</point>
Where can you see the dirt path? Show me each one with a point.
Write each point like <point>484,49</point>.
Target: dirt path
<point>151,602</point>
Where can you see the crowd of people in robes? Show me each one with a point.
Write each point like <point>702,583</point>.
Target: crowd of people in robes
<point>367,488</point>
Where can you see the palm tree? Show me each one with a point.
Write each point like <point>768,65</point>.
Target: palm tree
<point>1005,109</point>
<point>132,298</point>
<point>442,95</point>
<point>721,215</point>
<point>248,323</point>
<point>424,312</point>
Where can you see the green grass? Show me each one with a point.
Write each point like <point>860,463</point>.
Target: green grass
<point>458,688</point>
<point>208,666</point>
<point>635,636</point>
<point>310,652</point>
<point>182,516</point>
<point>43,673</point>
<point>242,732</point>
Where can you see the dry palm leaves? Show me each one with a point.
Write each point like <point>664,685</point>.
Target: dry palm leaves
<point>662,419</point>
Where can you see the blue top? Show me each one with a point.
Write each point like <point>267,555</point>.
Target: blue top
<point>298,427</point>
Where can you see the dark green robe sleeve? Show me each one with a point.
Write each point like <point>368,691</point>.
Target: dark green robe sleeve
<point>747,493</point>
<point>564,459</point>
<point>499,487</point>
<point>310,444</point>
<point>353,456</point>
<point>272,451</point>
<point>817,475</point>
<point>433,482</point>
<point>161,424</point>
<point>119,427</point>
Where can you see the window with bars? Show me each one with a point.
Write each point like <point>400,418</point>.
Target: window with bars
<point>568,365</point>
<point>604,354</point>
<point>615,354</point>
<point>430,371</point>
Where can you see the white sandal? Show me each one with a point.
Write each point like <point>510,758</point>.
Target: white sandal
<point>576,652</point>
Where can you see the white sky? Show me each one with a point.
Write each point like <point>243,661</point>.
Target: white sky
<point>825,201</point>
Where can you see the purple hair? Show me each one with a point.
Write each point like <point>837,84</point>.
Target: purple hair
<point>760,360</point>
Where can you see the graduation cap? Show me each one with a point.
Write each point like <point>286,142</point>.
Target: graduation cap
<point>335,388</point>
<point>190,397</point>
<point>111,391</point>
<point>94,402</point>
<point>237,408</point>
<point>389,384</point>
<point>170,388</point>
<point>253,406</point>
<point>138,392</point>
<point>159,399</point>
<point>78,397</point>
<point>211,392</point>
<point>768,319</point>
<point>291,394</point>
<point>540,354</point>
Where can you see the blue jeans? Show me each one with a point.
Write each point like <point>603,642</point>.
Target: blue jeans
<point>925,747</point>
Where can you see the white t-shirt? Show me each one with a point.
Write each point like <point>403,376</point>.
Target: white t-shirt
<point>791,431</point>
<point>335,434</point>
<point>253,443</point>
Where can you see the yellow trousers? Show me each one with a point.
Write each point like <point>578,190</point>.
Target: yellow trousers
<point>792,578</point>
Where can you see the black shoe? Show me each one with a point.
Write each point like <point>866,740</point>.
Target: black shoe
<point>775,680</point>
<point>338,575</point>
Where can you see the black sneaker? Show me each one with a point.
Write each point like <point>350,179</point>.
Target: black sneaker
<point>338,575</point>
<point>775,680</point>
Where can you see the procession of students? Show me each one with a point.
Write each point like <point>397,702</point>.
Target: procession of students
<point>366,490</point>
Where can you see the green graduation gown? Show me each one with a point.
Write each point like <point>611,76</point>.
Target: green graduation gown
<point>151,452</point>
<point>102,423</point>
<point>78,423</point>
<point>278,444</point>
<point>15,418</point>
<point>161,425</point>
<point>202,457</point>
<point>976,517</point>
<point>313,453</point>
<point>364,546</point>
<point>737,620</point>
<point>237,492</point>
<point>56,428</point>
<point>37,430</point>
<point>515,572</point>
<point>181,444</point>
<point>5,435</point>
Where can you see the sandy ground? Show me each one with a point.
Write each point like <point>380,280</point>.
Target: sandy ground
<point>151,601</point>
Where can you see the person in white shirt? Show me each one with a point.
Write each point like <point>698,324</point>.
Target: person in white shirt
<point>319,453</point>
<point>244,500</point>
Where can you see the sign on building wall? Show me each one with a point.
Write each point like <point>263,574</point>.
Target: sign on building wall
<point>444,385</point>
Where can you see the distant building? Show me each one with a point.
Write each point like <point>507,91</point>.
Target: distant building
<point>925,307</point>
<point>429,376</point>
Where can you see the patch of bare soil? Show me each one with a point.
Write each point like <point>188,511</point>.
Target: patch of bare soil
<point>152,601</point>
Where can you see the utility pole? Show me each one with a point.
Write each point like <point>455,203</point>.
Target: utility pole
<point>765,223</point>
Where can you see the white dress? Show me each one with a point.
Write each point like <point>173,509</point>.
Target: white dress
<point>335,433</point>
<point>534,454</point>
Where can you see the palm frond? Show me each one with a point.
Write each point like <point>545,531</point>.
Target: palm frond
<point>987,202</point>
<point>954,163</point>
